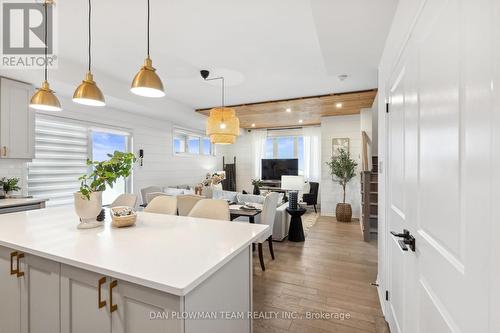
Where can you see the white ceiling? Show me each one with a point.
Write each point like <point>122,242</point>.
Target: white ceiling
<point>267,49</point>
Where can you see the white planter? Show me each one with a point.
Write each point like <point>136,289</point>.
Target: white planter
<point>88,210</point>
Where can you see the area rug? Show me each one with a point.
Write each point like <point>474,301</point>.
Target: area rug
<point>308,220</point>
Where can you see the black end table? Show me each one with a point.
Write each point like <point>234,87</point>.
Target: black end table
<point>296,232</point>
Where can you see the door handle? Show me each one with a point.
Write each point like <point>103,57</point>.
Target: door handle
<point>19,273</point>
<point>112,307</point>
<point>4,151</point>
<point>12,270</point>
<point>407,241</point>
<point>100,302</point>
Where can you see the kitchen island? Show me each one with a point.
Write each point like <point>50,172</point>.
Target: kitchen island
<point>165,274</point>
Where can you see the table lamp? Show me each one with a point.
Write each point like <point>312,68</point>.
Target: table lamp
<point>292,184</point>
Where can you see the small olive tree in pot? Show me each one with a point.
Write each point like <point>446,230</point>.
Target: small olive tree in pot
<point>343,169</point>
<point>88,201</point>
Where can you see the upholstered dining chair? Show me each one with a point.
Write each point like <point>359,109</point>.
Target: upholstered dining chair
<point>150,196</point>
<point>146,190</point>
<point>311,198</point>
<point>211,209</point>
<point>267,217</point>
<point>185,203</point>
<point>162,205</point>
<point>125,199</point>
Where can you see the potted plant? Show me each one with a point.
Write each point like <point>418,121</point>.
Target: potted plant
<point>9,185</point>
<point>88,201</point>
<point>343,169</point>
<point>257,183</point>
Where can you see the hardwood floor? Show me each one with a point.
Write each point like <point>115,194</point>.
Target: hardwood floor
<point>330,274</point>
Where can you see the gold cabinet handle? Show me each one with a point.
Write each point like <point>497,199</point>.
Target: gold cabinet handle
<point>19,273</point>
<point>112,307</point>
<point>4,151</point>
<point>100,302</point>
<point>12,270</point>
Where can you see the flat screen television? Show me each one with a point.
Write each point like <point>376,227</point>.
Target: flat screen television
<point>273,169</point>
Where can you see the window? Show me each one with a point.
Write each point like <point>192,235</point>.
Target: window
<point>61,151</point>
<point>286,147</point>
<point>190,143</point>
<point>104,143</point>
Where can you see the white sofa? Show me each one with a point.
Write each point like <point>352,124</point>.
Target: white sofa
<point>281,220</point>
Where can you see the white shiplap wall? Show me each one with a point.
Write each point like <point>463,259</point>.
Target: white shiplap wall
<point>160,167</point>
<point>331,192</point>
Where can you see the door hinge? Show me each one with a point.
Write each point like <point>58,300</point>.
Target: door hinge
<point>386,107</point>
<point>387,295</point>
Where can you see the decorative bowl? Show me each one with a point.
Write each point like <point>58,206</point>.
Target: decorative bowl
<point>123,216</point>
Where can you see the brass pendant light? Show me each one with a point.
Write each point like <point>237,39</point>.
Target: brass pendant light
<point>222,125</point>
<point>146,82</point>
<point>44,98</point>
<point>88,93</point>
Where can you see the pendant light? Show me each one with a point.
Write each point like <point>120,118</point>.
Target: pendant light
<point>146,82</point>
<point>88,93</point>
<point>222,125</point>
<point>44,98</point>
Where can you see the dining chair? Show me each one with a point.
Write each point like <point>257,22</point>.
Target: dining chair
<point>125,199</point>
<point>267,217</point>
<point>162,205</point>
<point>185,203</point>
<point>146,190</point>
<point>211,209</point>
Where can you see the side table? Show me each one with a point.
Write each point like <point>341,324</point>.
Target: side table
<point>296,231</point>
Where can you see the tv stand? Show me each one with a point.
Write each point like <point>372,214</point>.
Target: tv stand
<point>271,183</point>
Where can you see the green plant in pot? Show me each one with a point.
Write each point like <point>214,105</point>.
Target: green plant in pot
<point>88,201</point>
<point>9,185</point>
<point>343,169</point>
<point>257,183</point>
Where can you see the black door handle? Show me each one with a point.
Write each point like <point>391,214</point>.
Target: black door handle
<point>407,241</point>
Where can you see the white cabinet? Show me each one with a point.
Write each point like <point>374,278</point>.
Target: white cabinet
<point>140,309</point>
<point>29,290</point>
<point>84,303</point>
<point>17,120</point>
<point>10,293</point>
<point>39,295</point>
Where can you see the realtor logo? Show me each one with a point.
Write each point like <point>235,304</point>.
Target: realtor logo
<point>23,34</point>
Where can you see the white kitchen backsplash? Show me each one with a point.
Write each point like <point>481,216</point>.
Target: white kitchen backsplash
<point>16,168</point>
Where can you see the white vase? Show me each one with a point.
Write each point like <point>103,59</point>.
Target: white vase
<point>88,210</point>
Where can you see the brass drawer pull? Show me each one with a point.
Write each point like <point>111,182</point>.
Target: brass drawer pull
<point>100,302</point>
<point>19,273</point>
<point>112,307</point>
<point>12,270</point>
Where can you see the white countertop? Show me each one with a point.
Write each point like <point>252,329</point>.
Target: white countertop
<point>12,202</point>
<point>165,252</point>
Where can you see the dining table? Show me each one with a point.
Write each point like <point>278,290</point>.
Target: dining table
<point>236,210</point>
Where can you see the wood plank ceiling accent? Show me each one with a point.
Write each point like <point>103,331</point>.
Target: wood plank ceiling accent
<point>309,110</point>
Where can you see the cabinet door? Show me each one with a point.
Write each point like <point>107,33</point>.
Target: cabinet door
<point>40,298</point>
<point>17,120</point>
<point>140,309</point>
<point>10,295</point>
<point>80,308</point>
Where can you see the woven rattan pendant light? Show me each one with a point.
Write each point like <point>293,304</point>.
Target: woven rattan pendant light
<point>222,125</point>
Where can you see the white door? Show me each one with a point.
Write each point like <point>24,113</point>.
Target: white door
<point>83,308</point>
<point>140,309</point>
<point>440,172</point>
<point>10,294</point>
<point>17,120</point>
<point>40,299</point>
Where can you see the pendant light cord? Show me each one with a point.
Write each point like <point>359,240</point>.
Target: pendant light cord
<point>223,89</point>
<point>46,4</point>
<point>90,36</point>
<point>148,26</point>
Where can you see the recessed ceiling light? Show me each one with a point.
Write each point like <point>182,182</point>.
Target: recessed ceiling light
<point>253,125</point>
<point>288,110</point>
<point>300,121</point>
<point>338,105</point>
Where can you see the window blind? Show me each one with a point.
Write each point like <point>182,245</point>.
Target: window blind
<point>61,151</point>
